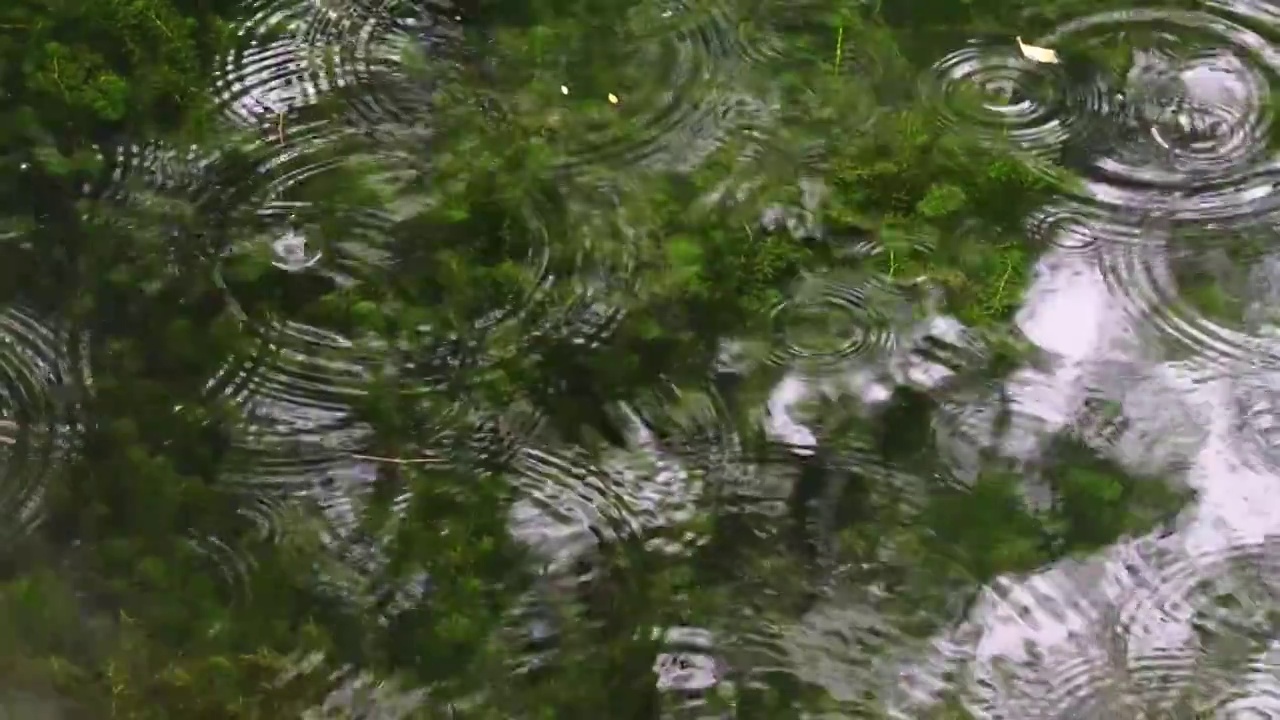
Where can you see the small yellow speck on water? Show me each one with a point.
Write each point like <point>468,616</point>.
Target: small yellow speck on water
<point>1039,54</point>
<point>613,99</point>
<point>564,89</point>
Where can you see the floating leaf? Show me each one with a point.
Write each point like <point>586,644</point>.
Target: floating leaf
<point>1039,54</point>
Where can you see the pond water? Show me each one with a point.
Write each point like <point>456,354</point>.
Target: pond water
<point>670,359</point>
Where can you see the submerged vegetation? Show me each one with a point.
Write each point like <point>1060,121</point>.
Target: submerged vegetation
<point>304,357</point>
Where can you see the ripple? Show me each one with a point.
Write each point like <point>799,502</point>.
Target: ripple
<point>568,505</point>
<point>1190,634</point>
<point>1199,634</point>
<point>1180,287</point>
<point>310,281</point>
<point>279,256</point>
<point>688,663</point>
<point>235,566</point>
<point>995,91</point>
<point>1257,408</point>
<point>311,367</point>
<point>1259,704</point>
<point>303,392</point>
<point>574,498</point>
<point>305,254</point>
<point>226,183</point>
<point>361,693</point>
<point>1088,687</point>
<point>830,319</point>
<point>296,54</point>
<point>1063,227</point>
<point>39,376</point>
<point>850,647</point>
<point>161,187</point>
<point>304,354</point>
<point>575,263</point>
<point>373,43</point>
<point>295,372</point>
<point>266,516</point>
<point>1017,419</point>
<point>1192,117</point>
<point>261,85</point>
<point>704,452</point>
<point>301,429</point>
<point>345,246</point>
<point>652,89</point>
<point>140,169</point>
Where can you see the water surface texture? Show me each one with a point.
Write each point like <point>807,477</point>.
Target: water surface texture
<point>668,359</point>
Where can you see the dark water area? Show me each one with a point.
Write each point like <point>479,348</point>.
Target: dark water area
<point>684,359</point>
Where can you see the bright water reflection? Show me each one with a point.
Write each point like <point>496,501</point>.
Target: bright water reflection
<point>1176,623</point>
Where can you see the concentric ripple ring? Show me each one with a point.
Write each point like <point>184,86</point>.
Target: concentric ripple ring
<point>39,376</point>
<point>1188,125</point>
<point>653,90</point>
<point>995,91</point>
<point>826,321</point>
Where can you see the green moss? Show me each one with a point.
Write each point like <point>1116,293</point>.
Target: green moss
<point>1097,503</point>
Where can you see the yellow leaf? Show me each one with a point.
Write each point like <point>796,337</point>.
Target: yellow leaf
<point>1039,54</point>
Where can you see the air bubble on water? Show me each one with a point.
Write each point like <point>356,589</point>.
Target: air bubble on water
<point>291,252</point>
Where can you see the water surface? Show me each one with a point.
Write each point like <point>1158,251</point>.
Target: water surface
<point>716,358</point>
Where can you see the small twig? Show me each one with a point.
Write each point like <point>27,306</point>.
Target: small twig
<point>57,77</point>
<point>160,25</point>
<point>280,125</point>
<point>839,49</point>
<point>1008,269</point>
<point>397,461</point>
